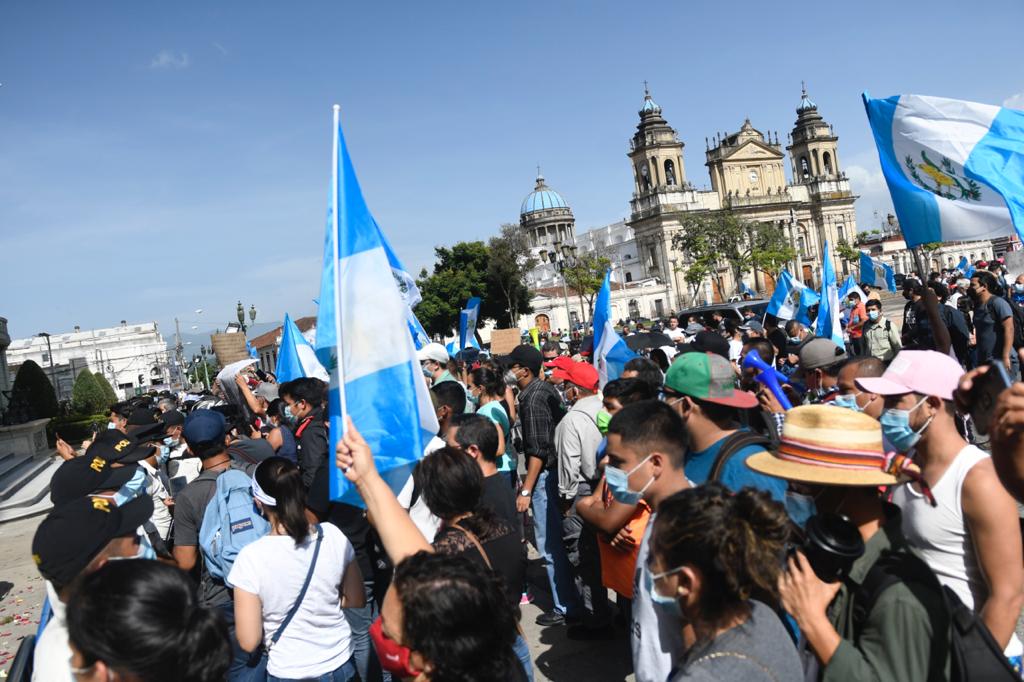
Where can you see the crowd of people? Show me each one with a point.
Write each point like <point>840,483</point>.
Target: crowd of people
<point>852,518</point>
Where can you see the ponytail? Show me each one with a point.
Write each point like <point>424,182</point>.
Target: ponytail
<point>281,479</point>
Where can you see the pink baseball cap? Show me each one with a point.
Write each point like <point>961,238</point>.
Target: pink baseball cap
<point>917,371</point>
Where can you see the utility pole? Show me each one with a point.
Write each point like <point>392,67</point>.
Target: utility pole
<point>53,376</point>
<point>179,355</point>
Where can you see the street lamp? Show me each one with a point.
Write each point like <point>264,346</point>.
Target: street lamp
<point>49,354</point>
<point>563,256</point>
<point>240,312</point>
<point>206,372</point>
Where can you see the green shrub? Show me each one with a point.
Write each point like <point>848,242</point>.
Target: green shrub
<point>75,429</point>
<point>32,396</point>
<point>86,395</point>
<point>108,390</point>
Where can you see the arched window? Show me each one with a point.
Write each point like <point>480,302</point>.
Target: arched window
<point>805,171</point>
<point>634,309</point>
<point>670,172</point>
<point>645,176</point>
<point>840,232</point>
<point>826,159</point>
<point>802,245</point>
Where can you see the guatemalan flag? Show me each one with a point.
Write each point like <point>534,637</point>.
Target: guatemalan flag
<point>791,299</point>
<point>296,358</point>
<point>610,352</point>
<point>955,169</point>
<point>876,273</point>
<point>828,324</point>
<point>467,324</point>
<point>363,337</point>
<point>851,285</point>
<point>746,290</point>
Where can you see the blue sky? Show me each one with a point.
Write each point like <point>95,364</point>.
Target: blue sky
<point>160,158</point>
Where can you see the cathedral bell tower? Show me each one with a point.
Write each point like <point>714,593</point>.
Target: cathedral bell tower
<point>813,145</point>
<point>656,152</point>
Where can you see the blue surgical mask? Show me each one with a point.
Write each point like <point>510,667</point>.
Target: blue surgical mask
<point>426,371</point>
<point>146,550</point>
<point>288,413</point>
<point>618,483</point>
<point>669,604</point>
<point>847,401</point>
<point>794,339</point>
<point>170,441</point>
<point>165,454</point>
<point>873,314</point>
<point>111,425</point>
<point>473,398</point>
<point>135,487</point>
<point>1018,287</point>
<point>896,427</point>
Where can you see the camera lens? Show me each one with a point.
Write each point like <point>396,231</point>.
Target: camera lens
<point>832,544</point>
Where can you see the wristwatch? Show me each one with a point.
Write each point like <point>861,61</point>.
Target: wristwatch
<point>525,492</point>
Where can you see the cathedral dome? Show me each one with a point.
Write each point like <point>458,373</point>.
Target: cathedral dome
<point>542,198</point>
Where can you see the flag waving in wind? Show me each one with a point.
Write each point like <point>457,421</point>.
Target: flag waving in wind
<point>363,338</point>
<point>962,265</point>
<point>791,299</point>
<point>828,324</point>
<point>296,357</point>
<point>467,323</point>
<point>610,352</point>
<point>955,169</point>
<point>875,272</point>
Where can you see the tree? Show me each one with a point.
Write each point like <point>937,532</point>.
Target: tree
<point>196,374</point>
<point>108,391</point>
<point>585,277</point>
<point>507,267</point>
<point>847,252</point>
<point>86,395</point>
<point>32,396</point>
<point>714,240</point>
<point>459,273</point>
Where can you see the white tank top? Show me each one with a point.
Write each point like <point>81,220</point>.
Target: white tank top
<point>940,533</point>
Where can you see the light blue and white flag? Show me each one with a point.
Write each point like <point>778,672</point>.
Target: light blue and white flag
<point>296,358</point>
<point>250,350</point>
<point>850,284</point>
<point>955,169</point>
<point>610,351</point>
<point>363,334</point>
<point>969,272</point>
<point>963,264</point>
<point>791,299</point>
<point>746,290</point>
<point>874,272</point>
<point>828,324</point>
<point>467,323</point>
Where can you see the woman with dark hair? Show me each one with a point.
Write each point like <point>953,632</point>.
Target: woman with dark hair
<point>486,390</point>
<point>291,585</point>
<point>446,620</point>
<point>451,485</point>
<point>280,434</point>
<point>715,560</point>
<point>141,620</point>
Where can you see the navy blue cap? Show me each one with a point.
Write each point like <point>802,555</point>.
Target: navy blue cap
<point>204,426</point>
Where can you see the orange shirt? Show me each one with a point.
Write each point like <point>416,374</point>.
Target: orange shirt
<point>617,567</point>
<point>858,316</point>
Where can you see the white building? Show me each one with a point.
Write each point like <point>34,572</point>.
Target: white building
<point>130,356</point>
<point>888,247</point>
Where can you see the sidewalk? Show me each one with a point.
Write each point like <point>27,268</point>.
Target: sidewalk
<point>22,591</point>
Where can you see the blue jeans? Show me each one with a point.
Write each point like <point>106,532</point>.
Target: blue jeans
<point>363,654</point>
<point>547,530</point>
<point>346,672</point>
<point>245,667</point>
<point>522,650</point>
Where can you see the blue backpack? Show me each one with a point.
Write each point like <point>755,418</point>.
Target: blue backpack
<point>230,523</point>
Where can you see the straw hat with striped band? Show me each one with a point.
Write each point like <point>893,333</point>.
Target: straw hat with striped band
<point>830,445</point>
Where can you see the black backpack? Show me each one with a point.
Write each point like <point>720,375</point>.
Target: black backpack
<point>1018,323</point>
<point>733,444</point>
<point>974,653</point>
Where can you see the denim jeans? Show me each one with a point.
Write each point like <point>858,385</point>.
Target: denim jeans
<point>363,655</point>
<point>547,529</point>
<point>585,561</point>
<point>522,650</point>
<point>346,672</point>
<point>245,667</point>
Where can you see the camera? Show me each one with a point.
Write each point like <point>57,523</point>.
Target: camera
<point>831,544</point>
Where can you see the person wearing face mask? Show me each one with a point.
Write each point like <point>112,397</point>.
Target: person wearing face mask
<point>182,467</point>
<point>902,632</point>
<point>1017,290</point>
<point>715,560</point>
<point>434,359</point>
<point>965,524</point>
<point>855,326</point>
<point>577,438</point>
<point>75,539</point>
<point>820,362</point>
<point>486,391</point>
<point>119,414</point>
<point>853,398</point>
<point>881,339</point>
<point>993,323</point>
<point>304,398</point>
<point>645,456</point>
<point>280,434</point>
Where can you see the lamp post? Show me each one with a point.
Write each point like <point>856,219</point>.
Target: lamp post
<point>49,354</point>
<point>240,312</point>
<point>562,256</point>
<point>206,372</point>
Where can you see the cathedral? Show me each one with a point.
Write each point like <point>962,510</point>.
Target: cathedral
<point>747,170</point>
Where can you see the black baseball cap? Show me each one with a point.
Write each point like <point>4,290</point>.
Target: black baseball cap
<point>707,342</point>
<point>525,356</point>
<point>172,418</point>
<point>142,424</point>
<point>83,475</point>
<point>75,532</point>
<point>114,446</point>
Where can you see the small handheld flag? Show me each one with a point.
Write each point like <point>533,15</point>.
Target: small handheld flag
<point>874,272</point>
<point>610,351</point>
<point>467,323</point>
<point>828,324</point>
<point>296,358</point>
<point>791,299</point>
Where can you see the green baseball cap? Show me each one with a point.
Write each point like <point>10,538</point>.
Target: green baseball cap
<point>709,377</point>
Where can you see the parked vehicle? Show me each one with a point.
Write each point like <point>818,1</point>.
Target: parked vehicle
<point>730,311</point>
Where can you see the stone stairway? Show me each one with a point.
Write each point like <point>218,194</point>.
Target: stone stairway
<point>25,485</point>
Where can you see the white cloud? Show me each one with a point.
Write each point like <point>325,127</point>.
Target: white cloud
<point>169,59</point>
<point>1014,101</point>
<point>868,183</point>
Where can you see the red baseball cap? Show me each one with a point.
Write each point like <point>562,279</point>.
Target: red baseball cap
<point>561,362</point>
<point>583,374</point>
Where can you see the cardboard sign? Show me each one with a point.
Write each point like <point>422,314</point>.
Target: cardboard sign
<point>504,340</point>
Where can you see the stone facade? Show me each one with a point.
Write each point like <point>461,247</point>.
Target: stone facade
<point>5,378</point>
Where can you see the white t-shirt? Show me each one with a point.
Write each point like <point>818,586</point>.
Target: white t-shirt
<point>418,512</point>
<point>155,488</point>
<point>656,636</point>
<point>735,349</point>
<point>52,657</point>
<point>318,639</point>
<point>676,334</point>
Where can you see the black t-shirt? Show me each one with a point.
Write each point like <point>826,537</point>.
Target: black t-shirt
<point>350,519</point>
<point>501,543</point>
<point>497,496</point>
<point>778,338</point>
